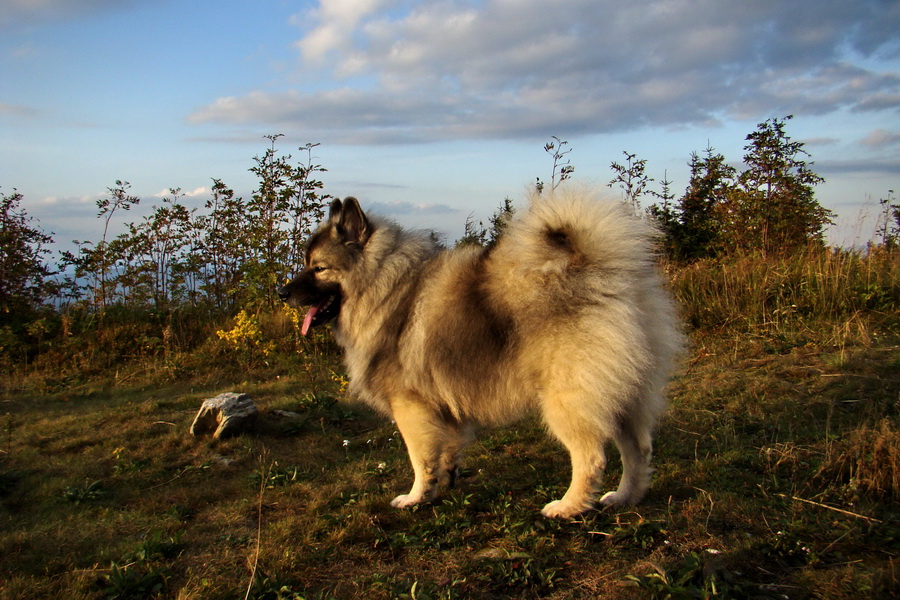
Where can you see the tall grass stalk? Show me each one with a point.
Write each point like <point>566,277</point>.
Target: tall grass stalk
<point>813,289</point>
<point>265,467</point>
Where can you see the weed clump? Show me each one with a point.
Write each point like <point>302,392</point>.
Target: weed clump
<point>868,459</point>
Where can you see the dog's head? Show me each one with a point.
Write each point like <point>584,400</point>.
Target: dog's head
<point>331,253</point>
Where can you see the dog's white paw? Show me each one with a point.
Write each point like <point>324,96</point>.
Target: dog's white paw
<point>615,499</point>
<point>560,510</point>
<point>405,501</point>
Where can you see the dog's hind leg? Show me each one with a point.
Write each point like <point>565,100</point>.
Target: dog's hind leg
<point>635,444</point>
<point>429,442</point>
<point>584,441</point>
<point>450,465</point>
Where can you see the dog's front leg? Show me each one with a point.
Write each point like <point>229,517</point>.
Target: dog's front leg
<point>425,435</point>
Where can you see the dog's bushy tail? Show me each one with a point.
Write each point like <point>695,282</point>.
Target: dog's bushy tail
<point>573,233</point>
<point>582,269</point>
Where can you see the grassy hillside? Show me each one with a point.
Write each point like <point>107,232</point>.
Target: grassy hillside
<point>777,469</point>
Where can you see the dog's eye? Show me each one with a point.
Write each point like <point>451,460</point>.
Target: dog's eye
<point>319,269</point>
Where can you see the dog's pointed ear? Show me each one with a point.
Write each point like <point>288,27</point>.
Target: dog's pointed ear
<point>334,212</point>
<point>353,222</point>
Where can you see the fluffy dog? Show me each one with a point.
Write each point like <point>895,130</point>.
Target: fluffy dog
<point>565,316</point>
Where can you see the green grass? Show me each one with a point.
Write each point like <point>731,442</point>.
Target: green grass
<point>777,475</point>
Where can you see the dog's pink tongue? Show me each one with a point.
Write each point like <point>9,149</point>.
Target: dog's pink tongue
<point>307,321</point>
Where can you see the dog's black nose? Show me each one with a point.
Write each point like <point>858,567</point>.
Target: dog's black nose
<point>283,293</point>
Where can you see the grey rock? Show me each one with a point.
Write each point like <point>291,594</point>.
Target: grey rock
<point>287,414</point>
<point>226,415</point>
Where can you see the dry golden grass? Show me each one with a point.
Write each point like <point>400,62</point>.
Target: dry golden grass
<point>870,456</point>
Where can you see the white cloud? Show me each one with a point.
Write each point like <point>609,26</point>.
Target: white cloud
<point>200,191</point>
<point>393,209</point>
<point>13,12</point>
<point>880,138</point>
<point>337,20</point>
<point>869,167</point>
<point>820,141</point>
<point>69,200</point>
<point>454,69</point>
<point>15,110</point>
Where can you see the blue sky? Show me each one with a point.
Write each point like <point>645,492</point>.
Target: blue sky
<point>432,111</point>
